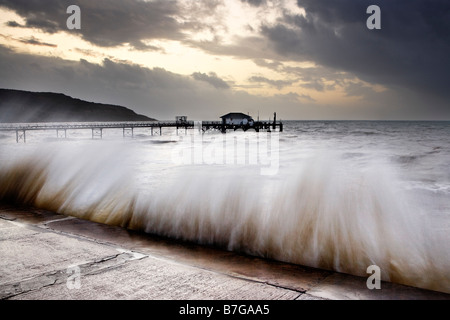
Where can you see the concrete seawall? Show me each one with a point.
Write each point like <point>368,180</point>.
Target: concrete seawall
<point>44,255</point>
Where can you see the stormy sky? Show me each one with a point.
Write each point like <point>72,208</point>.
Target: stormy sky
<point>305,59</point>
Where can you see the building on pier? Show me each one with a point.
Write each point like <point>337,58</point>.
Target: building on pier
<point>237,118</point>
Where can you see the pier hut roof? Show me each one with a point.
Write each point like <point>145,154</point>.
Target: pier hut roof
<point>236,115</point>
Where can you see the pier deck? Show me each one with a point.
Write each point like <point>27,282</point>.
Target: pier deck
<point>128,127</point>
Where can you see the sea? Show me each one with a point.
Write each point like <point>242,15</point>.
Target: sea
<point>336,195</point>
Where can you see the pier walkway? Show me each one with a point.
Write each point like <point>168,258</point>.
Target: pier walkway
<point>156,127</point>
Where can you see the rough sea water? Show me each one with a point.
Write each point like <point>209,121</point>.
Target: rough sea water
<point>338,195</point>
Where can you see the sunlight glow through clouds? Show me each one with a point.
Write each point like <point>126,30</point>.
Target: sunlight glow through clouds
<point>227,22</point>
<point>174,56</point>
<point>249,46</point>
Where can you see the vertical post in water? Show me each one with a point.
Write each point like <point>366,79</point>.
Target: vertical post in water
<point>274,120</point>
<point>97,132</point>
<point>20,136</point>
<point>58,135</point>
<point>128,132</point>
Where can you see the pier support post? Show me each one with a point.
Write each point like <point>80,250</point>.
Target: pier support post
<point>97,132</point>
<point>64,135</point>
<point>274,120</point>
<point>20,134</point>
<point>128,132</point>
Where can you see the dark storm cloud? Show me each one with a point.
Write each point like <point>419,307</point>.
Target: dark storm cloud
<point>212,79</point>
<point>105,23</point>
<point>410,51</point>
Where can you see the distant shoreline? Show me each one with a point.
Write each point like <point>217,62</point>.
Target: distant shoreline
<point>18,106</point>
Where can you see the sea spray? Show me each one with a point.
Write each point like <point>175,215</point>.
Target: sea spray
<point>321,210</point>
<point>324,215</point>
<point>87,181</point>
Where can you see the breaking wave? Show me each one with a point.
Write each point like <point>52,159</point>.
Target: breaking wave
<point>320,213</point>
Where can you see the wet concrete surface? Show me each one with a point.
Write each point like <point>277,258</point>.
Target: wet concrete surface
<point>44,255</point>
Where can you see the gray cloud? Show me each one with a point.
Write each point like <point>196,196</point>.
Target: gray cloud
<point>279,84</point>
<point>274,65</point>
<point>139,45</point>
<point>105,23</point>
<point>318,78</point>
<point>110,23</point>
<point>254,3</point>
<point>306,97</point>
<point>37,42</point>
<point>13,24</point>
<point>212,79</point>
<point>254,48</point>
<point>292,96</point>
<point>358,89</point>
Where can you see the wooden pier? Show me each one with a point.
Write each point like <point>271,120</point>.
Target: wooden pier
<point>128,128</point>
